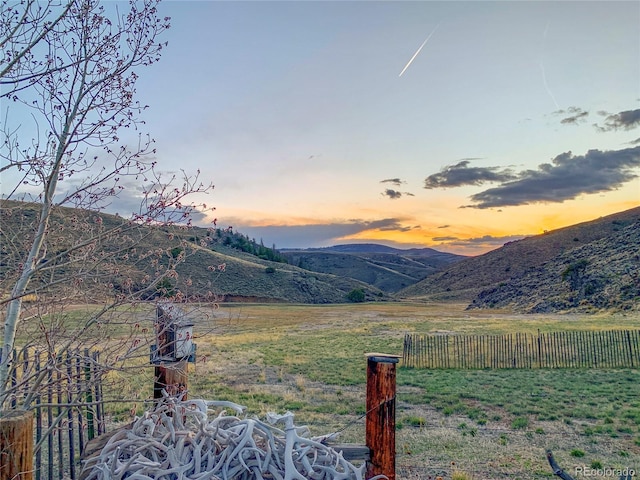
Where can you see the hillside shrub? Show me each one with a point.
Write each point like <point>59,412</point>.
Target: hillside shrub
<point>574,269</point>
<point>356,295</point>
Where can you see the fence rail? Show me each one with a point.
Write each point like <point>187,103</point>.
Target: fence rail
<point>66,397</point>
<point>570,349</point>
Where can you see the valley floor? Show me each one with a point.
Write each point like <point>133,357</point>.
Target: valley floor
<point>473,424</point>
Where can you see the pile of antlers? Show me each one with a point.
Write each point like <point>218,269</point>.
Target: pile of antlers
<point>178,440</point>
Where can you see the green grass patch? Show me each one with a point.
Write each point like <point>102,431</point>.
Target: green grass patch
<point>520,423</point>
<point>564,394</point>
<point>410,421</point>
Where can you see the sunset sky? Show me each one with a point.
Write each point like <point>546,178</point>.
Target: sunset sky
<point>513,118</point>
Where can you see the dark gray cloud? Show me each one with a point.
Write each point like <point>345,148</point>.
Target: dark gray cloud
<point>395,194</point>
<point>392,194</point>
<point>565,178</point>
<point>572,115</point>
<point>569,111</point>
<point>626,120</point>
<point>125,199</point>
<point>394,181</point>
<point>461,174</point>
<point>444,239</point>
<point>484,241</point>
<point>444,226</point>
<point>576,116</point>
<point>472,246</point>
<point>318,235</point>
<point>324,235</point>
<point>387,225</point>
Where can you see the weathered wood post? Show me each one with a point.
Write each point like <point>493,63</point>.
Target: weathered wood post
<point>173,351</point>
<point>16,445</point>
<point>380,423</point>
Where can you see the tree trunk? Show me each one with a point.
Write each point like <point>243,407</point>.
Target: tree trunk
<point>16,445</point>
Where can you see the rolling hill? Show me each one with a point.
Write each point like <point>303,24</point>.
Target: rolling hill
<point>591,265</point>
<point>601,275</point>
<point>213,266</point>
<point>386,268</point>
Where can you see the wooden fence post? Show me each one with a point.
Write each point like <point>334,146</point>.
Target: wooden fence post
<point>380,423</point>
<point>173,350</point>
<point>16,445</point>
<point>172,378</point>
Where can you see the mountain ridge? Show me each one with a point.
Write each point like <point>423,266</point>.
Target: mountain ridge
<point>387,268</point>
<point>216,265</point>
<point>584,267</point>
<point>600,275</point>
<point>467,279</point>
<point>367,248</point>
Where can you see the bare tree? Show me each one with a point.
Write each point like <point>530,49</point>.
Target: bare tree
<point>70,138</point>
<point>22,27</point>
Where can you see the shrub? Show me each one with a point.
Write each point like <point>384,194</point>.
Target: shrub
<point>589,289</point>
<point>574,269</point>
<point>269,270</point>
<point>356,295</point>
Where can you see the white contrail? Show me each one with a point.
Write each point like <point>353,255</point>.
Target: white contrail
<point>544,75</point>
<point>418,51</point>
<point>546,85</point>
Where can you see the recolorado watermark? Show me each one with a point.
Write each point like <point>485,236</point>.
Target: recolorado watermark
<point>606,472</point>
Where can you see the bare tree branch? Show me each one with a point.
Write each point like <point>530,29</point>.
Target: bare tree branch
<point>71,66</point>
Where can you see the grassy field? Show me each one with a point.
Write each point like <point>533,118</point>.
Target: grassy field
<point>479,424</point>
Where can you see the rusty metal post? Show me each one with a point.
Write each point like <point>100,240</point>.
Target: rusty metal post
<point>380,424</point>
